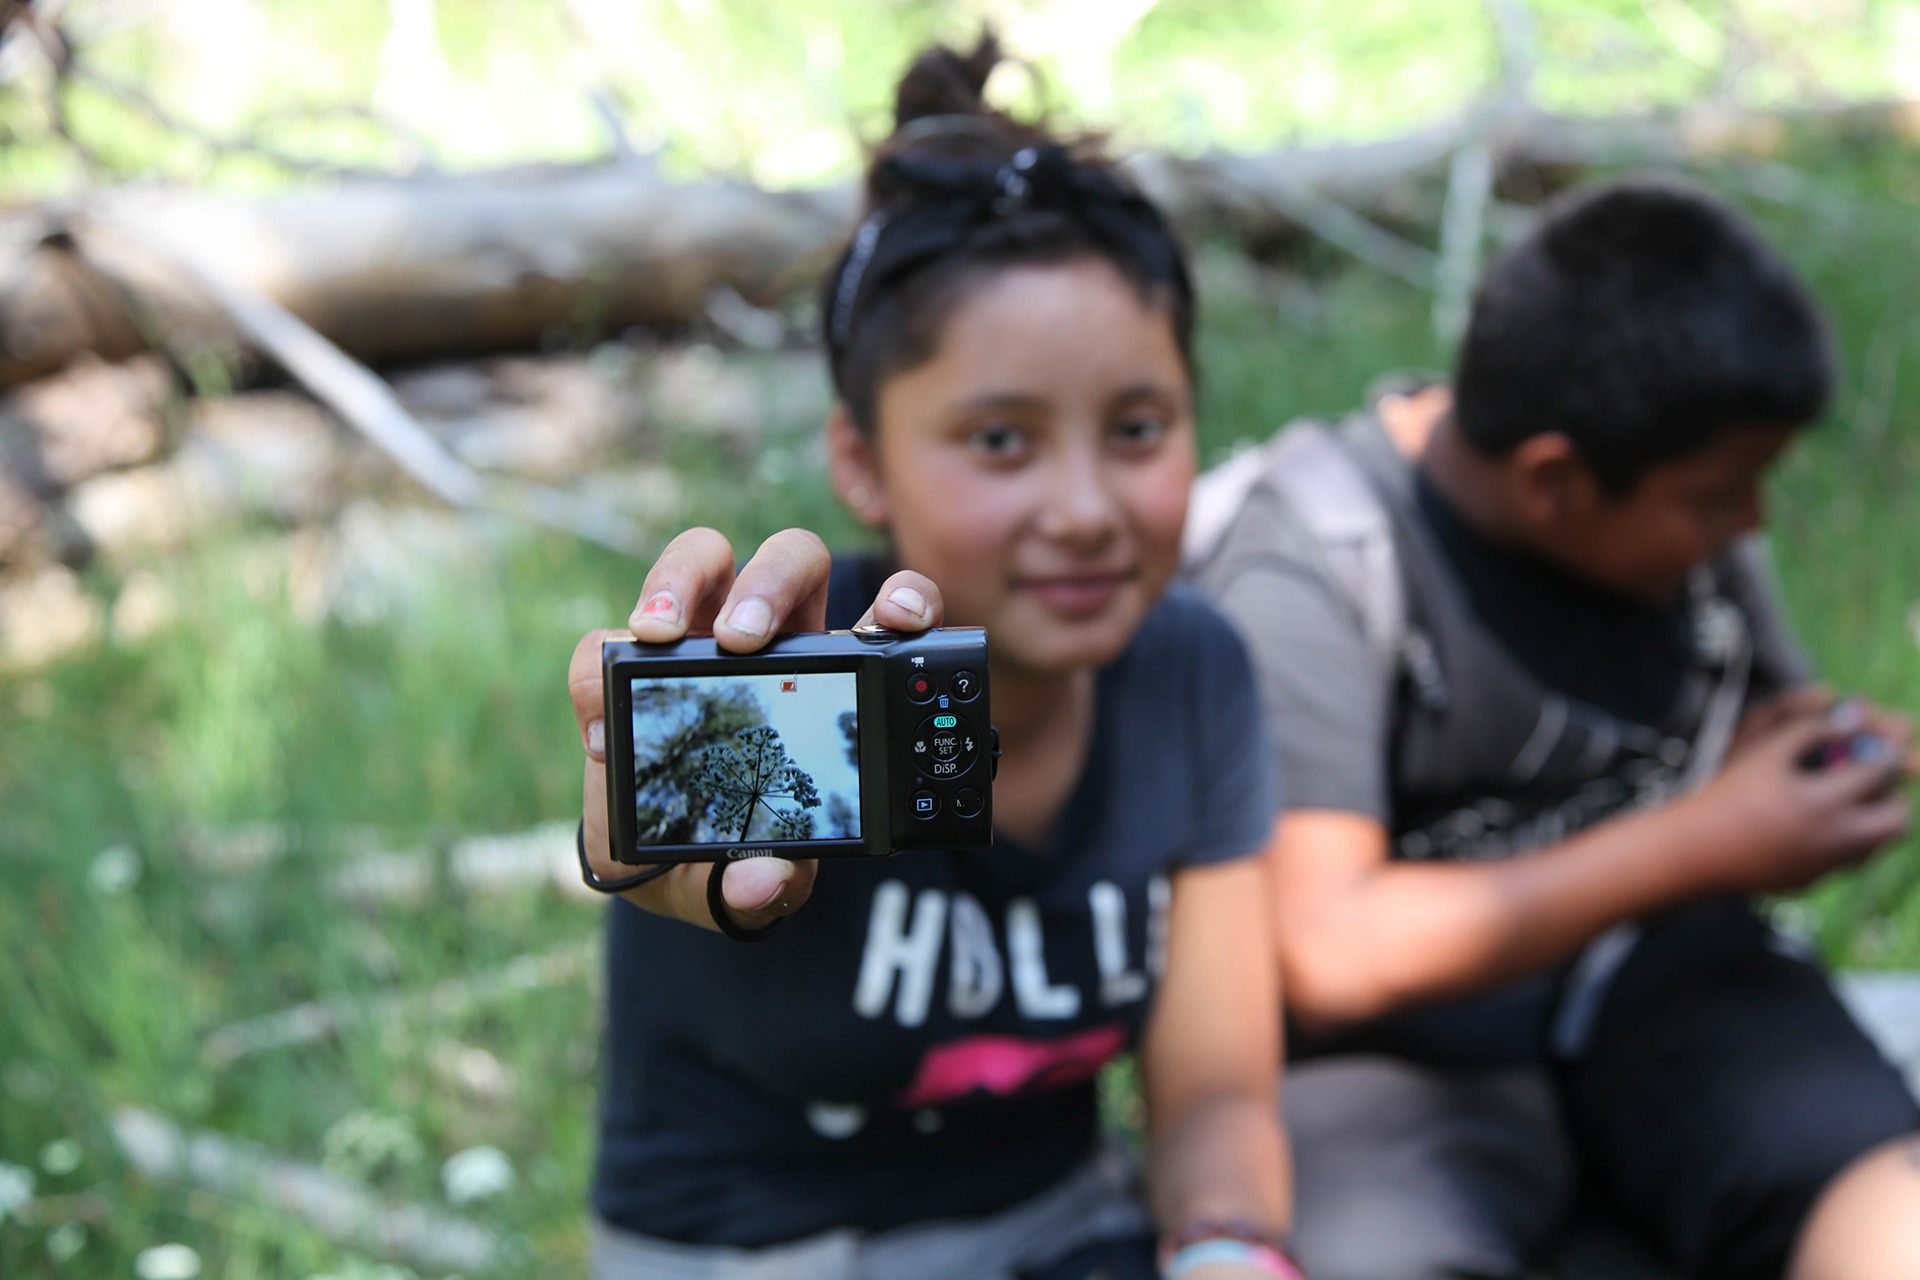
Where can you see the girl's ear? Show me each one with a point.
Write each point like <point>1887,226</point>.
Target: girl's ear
<point>853,462</point>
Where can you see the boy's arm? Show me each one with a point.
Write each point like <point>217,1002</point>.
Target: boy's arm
<point>1361,934</point>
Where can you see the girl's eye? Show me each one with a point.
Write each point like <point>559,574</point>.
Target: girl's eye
<point>1000,441</point>
<point>1140,432</point>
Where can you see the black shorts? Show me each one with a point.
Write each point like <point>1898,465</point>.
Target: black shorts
<point>1725,1085</point>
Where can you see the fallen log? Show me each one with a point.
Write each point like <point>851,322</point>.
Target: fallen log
<point>402,269</point>
<point>412,268</point>
<point>359,396</point>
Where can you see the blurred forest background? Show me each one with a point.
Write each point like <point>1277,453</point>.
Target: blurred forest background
<point>295,979</point>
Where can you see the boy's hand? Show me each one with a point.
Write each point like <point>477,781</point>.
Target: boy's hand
<point>1896,730</point>
<point>1765,717</point>
<point>1851,716</point>
<point>1774,824</point>
<point>693,588</point>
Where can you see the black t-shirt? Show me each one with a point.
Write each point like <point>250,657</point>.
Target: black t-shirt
<point>920,1040</point>
<point>1626,657</point>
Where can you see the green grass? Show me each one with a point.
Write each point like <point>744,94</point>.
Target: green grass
<point>445,716</point>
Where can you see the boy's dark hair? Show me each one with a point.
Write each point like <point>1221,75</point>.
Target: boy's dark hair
<point>1639,319</point>
<point>960,191</point>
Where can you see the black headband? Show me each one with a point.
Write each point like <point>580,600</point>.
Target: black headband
<point>956,198</point>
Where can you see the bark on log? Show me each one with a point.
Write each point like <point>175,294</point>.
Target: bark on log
<point>410,268</point>
<point>413,268</point>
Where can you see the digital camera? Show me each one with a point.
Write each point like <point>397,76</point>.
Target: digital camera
<point>1851,742</point>
<point>840,742</point>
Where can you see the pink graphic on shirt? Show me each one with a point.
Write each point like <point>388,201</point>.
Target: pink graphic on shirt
<point>1006,1065</point>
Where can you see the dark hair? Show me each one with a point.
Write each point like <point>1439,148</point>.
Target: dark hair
<point>1640,319</point>
<point>960,191</point>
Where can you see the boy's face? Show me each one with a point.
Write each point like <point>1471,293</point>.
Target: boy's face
<point>1680,514</point>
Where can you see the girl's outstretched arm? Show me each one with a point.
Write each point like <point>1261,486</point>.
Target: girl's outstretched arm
<point>1211,1060</point>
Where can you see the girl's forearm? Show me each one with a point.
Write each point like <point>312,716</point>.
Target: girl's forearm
<point>1223,1159</point>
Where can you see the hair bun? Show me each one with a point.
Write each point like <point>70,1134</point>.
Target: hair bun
<point>944,81</point>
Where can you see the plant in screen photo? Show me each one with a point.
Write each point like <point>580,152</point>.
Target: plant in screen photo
<point>689,722</point>
<point>749,774</point>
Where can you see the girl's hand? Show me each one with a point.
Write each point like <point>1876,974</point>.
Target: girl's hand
<point>692,588</point>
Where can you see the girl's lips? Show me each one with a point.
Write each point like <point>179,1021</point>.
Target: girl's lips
<point>1077,595</point>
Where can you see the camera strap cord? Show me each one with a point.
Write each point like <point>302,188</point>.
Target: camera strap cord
<point>716,905</point>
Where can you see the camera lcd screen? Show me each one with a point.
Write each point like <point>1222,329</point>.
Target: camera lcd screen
<point>755,758</point>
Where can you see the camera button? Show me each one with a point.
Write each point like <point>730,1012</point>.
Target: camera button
<point>944,746</point>
<point>925,804</point>
<point>920,687</point>
<point>965,685</point>
<point>967,802</point>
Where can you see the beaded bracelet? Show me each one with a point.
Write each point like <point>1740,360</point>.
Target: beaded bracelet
<point>1234,1240</point>
<point>1256,1257</point>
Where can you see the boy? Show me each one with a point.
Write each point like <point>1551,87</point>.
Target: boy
<point>1543,732</point>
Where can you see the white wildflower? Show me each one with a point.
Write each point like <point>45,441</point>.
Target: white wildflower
<point>359,1269</point>
<point>370,1144</point>
<point>26,1082</point>
<point>167,1262</point>
<point>115,871</point>
<point>16,1190</point>
<point>478,1173</point>
<point>66,1240</point>
<point>61,1156</point>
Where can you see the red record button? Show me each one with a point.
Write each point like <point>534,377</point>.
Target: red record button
<point>920,687</point>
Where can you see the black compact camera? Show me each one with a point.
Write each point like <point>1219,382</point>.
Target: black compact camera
<point>840,742</point>
<point>1851,742</point>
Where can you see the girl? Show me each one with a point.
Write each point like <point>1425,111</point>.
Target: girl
<point>899,1080</point>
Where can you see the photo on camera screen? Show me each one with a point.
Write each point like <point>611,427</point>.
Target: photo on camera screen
<point>761,758</point>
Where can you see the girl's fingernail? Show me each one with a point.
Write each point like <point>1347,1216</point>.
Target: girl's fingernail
<point>597,737</point>
<point>753,883</point>
<point>751,617</point>
<point>662,605</point>
<point>910,600</point>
